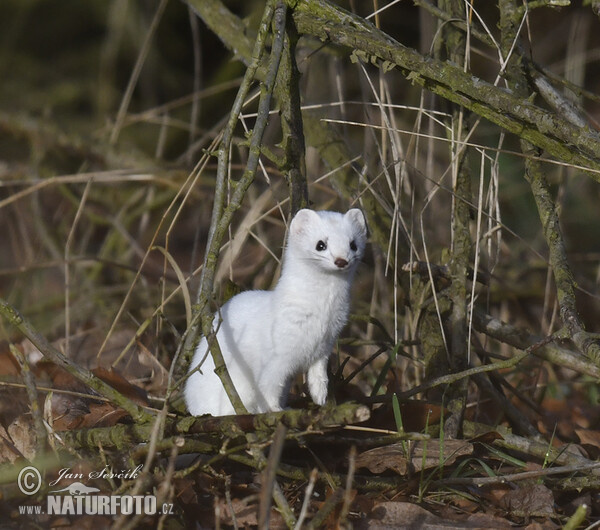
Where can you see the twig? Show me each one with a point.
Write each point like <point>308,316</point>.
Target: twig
<point>451,378</point>
<point>136,72</point>
<point>456,44</point>
<point>287,91</point>
<point>51,353</point>
<point>328,506</point>
<point>514,477</point>
<point>146,476</point>
<point>269,473</point>
<point>32,395</point>
<point>522,340</point>
<point>348,487</point>
<point>540,450</point>
<point>307,498</point>
<point>512,412</point>
<point>67,270</point>
<point>315,421</point>
<point>222,216</point>
<point>345,173</point>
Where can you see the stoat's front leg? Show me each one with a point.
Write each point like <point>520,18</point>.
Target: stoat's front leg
<point>317,380</point>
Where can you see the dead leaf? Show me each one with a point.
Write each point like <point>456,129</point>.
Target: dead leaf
<point>406,515</point>
<point>487,437</point>
<point>416,416</point>
<point>103,415</point>
<point>421,454</point>
<point>70,411</point>
<point>589,437</point>
<point>96,415</point>
<point>529,501</point>
<point>394,515</point>
<point>18,440</point>
<point>159,374</point>
<point>8,363</point>
<point>119,383</point>
<point>8,451</point>
<point>244,514</point>
<point>185,492</point>
<point>67,411</point>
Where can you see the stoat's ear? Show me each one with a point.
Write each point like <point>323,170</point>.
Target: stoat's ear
<point>357,218</point>
<point>302,221</point>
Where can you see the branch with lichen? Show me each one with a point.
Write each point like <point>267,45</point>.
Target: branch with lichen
<point>287,91</point>
<point>122,436</point>
<point>563,277</point>
<point>461,234</point>
<point>558,137</point>
<point>32,395</point>
<point>521,339</point>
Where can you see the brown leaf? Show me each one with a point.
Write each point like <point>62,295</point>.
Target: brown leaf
<point>8,451</point>
<point>185,491</point>
<point>18,440</point>
<point>119,383</point>
<point>74,412</point>
<point>244,514</point>
<point>487,437</point>
<point>103,415</point>
<point>389,515</point>
<point>68,411</point>
<point>8,363</point>
<point>96,415</point>
<point>421,454</point>
<point>589,437</point>
<point>529,500</point>
<point>416,416</point>
<point>159,374</point>
<point>406,515</point>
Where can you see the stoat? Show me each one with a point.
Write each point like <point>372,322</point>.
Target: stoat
<point>268,337</point>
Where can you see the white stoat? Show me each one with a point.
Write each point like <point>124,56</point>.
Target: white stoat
<point>268,337</point>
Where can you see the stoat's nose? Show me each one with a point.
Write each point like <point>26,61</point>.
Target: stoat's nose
<point>341,263</point>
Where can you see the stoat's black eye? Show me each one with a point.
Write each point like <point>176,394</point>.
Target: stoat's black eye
<point>353,246</point>
<point>321,246</point>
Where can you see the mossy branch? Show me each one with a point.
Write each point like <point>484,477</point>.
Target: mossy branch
<point>558,137</point>
<point>461,234</point>
<point>521,339</point>
<point>563,277</point>
<point>540,449</point>
<point>32,395</point>
<point>320,420</point>
<point>52,354</point>
<point>287,91</point>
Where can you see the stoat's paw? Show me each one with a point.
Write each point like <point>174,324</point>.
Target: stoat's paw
<point>318,390</point>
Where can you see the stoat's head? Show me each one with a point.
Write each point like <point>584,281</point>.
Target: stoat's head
<point>331,241</point>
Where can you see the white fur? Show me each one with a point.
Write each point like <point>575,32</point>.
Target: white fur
<point>268,337</point>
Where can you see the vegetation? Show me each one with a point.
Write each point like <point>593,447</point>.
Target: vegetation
<point>151,156</point>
